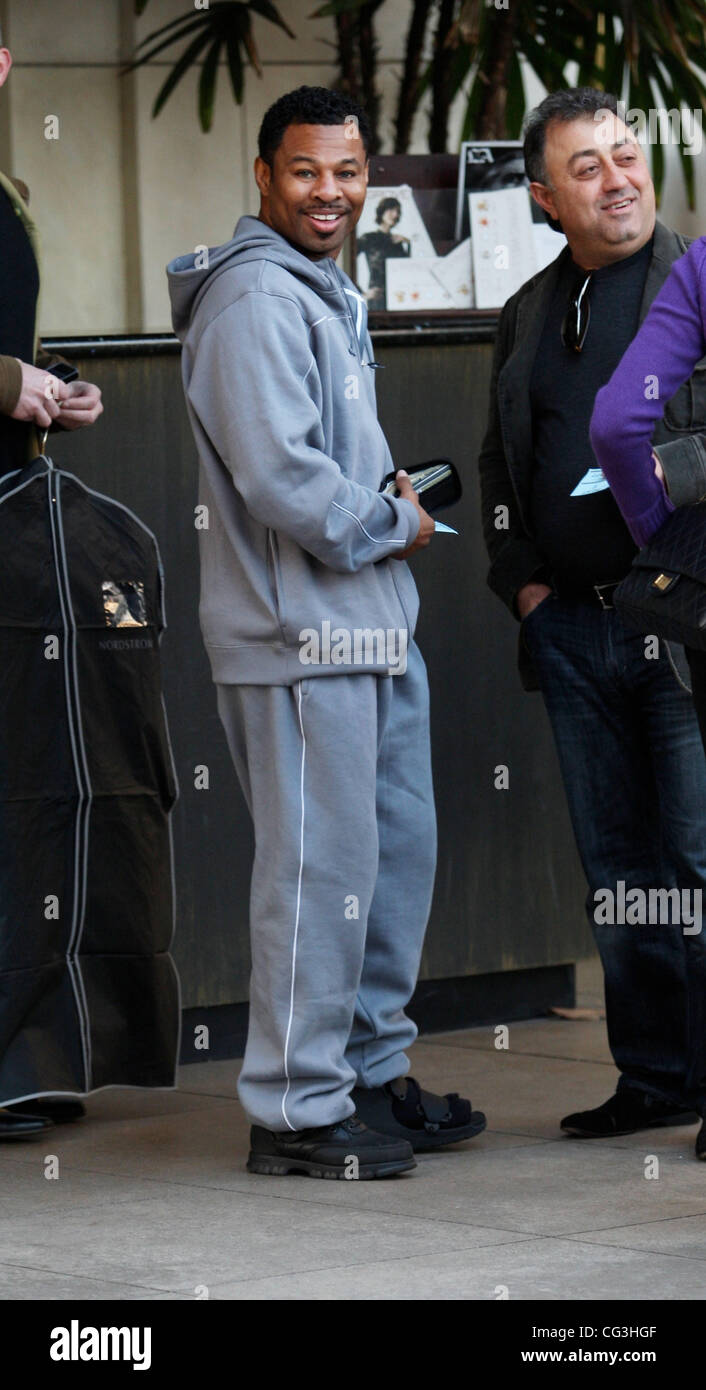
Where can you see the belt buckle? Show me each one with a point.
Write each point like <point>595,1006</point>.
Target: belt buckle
<point>597,588</point>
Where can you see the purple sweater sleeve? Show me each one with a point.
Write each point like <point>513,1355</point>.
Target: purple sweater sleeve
<point>660,358</point>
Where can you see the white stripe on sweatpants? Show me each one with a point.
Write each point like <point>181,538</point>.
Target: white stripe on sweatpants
<point>298,910</point>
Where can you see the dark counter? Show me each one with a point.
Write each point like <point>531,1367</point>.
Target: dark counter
<point>507,919</point>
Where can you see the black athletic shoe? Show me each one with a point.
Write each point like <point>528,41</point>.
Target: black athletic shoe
<point>62,1111</point>
<point>701,1141</point>
<point>18,1127</point>
<point>346,1150</point>
<point>403,1110</point>
<point>626,1112</point>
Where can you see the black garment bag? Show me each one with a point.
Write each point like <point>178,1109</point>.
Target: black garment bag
<point>89,994</point>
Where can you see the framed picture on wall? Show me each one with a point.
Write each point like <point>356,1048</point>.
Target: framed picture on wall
<point>486,167</point>
<point>404,254</point>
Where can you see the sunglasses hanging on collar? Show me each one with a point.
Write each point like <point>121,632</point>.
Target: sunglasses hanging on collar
<point>577,318</point>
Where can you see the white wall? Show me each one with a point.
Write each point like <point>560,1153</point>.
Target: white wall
<point>118,194</point>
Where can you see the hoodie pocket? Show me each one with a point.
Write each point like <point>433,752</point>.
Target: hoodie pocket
<point>275,573</point>
<point>410,607</point>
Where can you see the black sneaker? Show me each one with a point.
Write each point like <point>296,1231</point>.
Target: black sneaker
<point>20,1127</point>
<point>346,1150</point>
<point>61,1110</point>
<point>403,1110</point>
<point>701,1141</point>
<point>626,1112</point>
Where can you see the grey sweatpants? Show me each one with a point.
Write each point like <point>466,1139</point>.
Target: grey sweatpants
<point>336,771</point>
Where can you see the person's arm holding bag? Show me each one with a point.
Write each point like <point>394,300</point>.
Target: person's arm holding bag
<point>661,357</point>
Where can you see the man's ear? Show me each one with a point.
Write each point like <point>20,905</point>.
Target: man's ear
<point>263,176</point>
<point>544,196</point>
<point>5,64</point>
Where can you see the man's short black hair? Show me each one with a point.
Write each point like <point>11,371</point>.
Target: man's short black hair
<point>309,106</point>
<point>569,105</point>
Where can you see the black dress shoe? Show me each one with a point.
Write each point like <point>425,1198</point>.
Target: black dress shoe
<point>54,1108</point>
<point>346,1150</point>
<point>626,1112</point>
<point>22,1126</point>
<point>402,1109</point>
<point>701,1141</point>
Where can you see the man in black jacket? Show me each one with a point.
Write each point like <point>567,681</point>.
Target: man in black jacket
<point>625,730</point>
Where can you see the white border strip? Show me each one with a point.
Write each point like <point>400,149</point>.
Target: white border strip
<point>298,912</point>
<point>85,1042</point>
<point>88,800</point>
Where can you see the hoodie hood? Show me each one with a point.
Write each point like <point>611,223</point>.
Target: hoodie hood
<point>189,276</point>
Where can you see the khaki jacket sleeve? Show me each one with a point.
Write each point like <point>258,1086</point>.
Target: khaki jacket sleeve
<point>10,384</point>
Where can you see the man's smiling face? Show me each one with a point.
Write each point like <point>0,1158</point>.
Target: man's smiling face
<point>599,187</point>
<point>314,193</point>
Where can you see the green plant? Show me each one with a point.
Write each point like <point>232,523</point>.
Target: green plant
<point>645,51</point>
<point>225,27</point>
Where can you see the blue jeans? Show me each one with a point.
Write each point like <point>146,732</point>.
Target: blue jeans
<point>634,773</point>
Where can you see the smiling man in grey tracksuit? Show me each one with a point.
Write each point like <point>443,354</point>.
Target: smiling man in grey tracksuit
<point>308,618</point>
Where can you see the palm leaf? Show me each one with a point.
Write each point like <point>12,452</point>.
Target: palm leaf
<point>207,85</point>
<point>183,28</point>
<point>547,65</point>
<point>587,64</point>
<point>226,24</point>
<point>251,50</point>
<point>686,86</point>
<point>177,72</point>
<point>641,98</point>
<point>235,68</point>
<point>338,7</point>
<point>614,67</point>
<point>268,11</point>
<point>672,100</point>
<point>515,108</point>
<point>458,72</point>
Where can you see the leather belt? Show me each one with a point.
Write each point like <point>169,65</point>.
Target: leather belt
<point>598,595</point>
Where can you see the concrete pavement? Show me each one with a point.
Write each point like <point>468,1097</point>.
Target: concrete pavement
<point>153,1202</point>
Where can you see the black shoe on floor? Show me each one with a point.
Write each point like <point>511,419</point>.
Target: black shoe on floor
<point>55,1108</point>
<point>15,1127</point>
<point>346,1150</point>
<point>626,1112</point>
<point>701,1141</point>
<point>403,1110</point>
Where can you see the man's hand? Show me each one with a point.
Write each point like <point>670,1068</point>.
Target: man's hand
<point>530,596</point>
<point>40,397</point>
<point>81,406</point>
<point>426,526</point>
<point>659,470</point>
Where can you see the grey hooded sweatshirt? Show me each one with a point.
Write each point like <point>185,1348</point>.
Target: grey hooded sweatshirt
<point>279,378</point>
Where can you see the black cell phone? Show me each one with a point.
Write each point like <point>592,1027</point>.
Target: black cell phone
<point>436,482</point>
<point>63,370</point>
